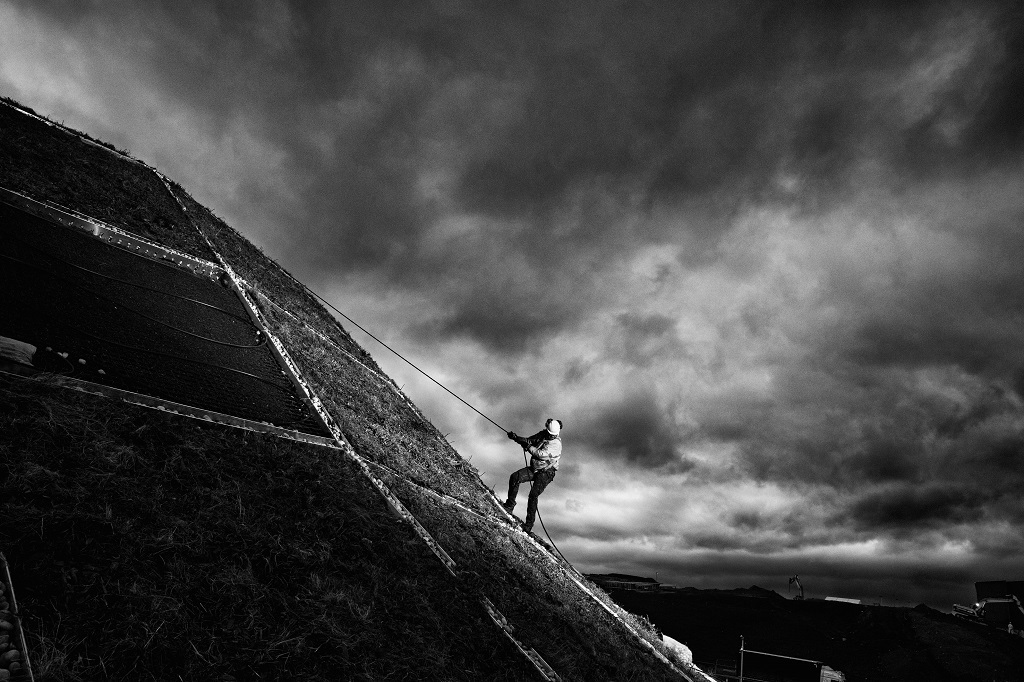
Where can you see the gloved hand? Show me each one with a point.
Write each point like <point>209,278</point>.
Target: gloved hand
<point>512,435</point>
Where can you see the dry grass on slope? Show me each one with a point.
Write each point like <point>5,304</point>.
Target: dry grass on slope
<point>148,546</point>
<point>575,635</point>
<point>46,164</point>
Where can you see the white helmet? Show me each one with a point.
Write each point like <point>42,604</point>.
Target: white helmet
<point>553,426</point>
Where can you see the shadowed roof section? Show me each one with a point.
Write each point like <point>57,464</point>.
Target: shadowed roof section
<point>138,324</point>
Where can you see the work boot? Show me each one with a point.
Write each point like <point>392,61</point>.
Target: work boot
<point>509,506</point>
<point>527,527</point>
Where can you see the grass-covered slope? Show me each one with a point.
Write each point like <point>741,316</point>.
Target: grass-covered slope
<point>37,160</point>
<point>148,546</point>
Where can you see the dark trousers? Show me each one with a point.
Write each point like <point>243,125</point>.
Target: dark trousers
<point>540,481</point>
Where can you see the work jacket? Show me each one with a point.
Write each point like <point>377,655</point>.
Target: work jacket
<point>544,450</point>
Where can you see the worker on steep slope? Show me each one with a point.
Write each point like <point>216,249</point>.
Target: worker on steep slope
<point>545,448</point>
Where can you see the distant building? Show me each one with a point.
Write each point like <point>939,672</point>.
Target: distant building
<point>619,581</point>
<point>628,585</point>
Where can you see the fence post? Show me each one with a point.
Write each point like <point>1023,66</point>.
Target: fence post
<point>741,658</point>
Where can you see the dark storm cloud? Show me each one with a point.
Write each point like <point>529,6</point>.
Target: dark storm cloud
<point>995,116</point>
<point>909,507</point>
<point>884,458</point>
<point>994,404</point>
<point>999,124</point>
<point>950,317</point>
<point>914,463</point>
<point>608,88</point>
<point>641,340</point>
<point>537,105</point>
<point>900,436</point>
<point>636,429</point>
<point>922,343</point>
<point>699,102</point>
<point>994,463</point>
<point>502,314</point>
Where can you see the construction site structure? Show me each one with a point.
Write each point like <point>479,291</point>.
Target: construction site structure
<point>788,667</point>
<point>998,606</point>
<point>796,579</point>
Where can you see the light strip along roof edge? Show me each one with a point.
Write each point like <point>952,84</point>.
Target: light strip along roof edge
<point>171,407</point>
<point>114,236</point>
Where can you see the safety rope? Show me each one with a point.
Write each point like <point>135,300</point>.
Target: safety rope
<point>411,364</point>
<point>541,518</point>
<point>383,378</point>
<point>372,336</point>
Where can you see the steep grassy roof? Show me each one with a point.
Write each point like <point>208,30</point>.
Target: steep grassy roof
<point>146,545</point>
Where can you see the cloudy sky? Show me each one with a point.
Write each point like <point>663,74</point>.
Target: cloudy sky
<point>763,259</point>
